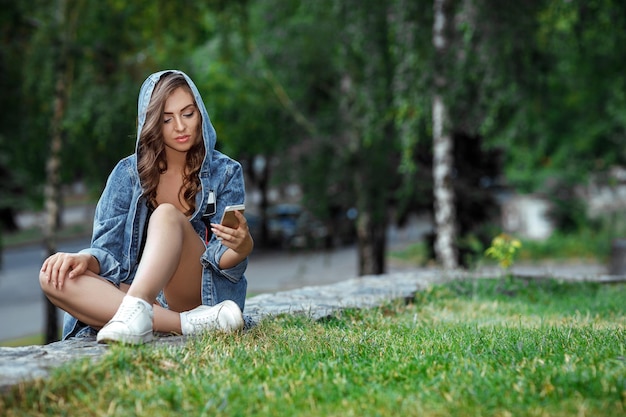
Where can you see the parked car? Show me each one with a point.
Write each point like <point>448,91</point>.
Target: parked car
<point>290,226</point>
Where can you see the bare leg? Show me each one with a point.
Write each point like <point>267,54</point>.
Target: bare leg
<point>94,300</point>
<point>171,260</point>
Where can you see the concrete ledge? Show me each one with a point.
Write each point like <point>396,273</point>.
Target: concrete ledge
<point>32,362</point>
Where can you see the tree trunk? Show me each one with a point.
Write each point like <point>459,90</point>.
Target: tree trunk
<point>371,223</point>
<point>52,197</point>
<point>371,245</point>
<point>443,160</point>
<point>52,193</point>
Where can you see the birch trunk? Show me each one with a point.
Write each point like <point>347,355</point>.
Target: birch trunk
<point>52,194</point>
<point>443,159</point>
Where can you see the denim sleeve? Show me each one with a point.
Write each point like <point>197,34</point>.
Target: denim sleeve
<point>233,274</point>
<point>230,192</point>
<point>110,220</point>
<point>109,266</point>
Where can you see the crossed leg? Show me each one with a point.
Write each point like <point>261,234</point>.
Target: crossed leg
<point>170,262</point>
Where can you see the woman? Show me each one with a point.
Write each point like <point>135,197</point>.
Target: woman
<point>158,260</point>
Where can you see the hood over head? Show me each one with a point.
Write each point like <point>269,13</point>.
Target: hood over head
<point>145,93</point>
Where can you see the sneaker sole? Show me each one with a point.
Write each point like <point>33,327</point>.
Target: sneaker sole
<point>125,338</point>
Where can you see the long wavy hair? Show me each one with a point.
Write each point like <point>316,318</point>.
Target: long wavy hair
<point>151,161</point>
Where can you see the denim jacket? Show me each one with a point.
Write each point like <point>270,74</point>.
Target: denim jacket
<point>122,212</point>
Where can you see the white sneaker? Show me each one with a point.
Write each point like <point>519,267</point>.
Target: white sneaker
<point>225,316</point>
<point>132,323</point>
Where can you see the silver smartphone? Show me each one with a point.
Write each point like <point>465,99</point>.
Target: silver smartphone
<point>229,219</point>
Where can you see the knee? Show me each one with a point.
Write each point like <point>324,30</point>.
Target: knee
<point>167,212</point>
<point>168,216</point>
<point>45,285</point>
<point>43,280</point>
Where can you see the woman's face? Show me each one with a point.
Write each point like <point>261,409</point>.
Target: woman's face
<point>181,120</point>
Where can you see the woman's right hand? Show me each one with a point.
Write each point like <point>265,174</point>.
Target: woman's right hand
<point>61,266</point>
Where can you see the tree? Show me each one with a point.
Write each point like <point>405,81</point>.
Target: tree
<point>443,156</point>
<point>14,37</point>
<point>345,97</point>
<point>253,115</point>
<point>367,134</point>
<point>344,85</point>
<point>65,29</point>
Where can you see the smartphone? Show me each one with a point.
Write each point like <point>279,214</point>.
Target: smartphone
<point>229,219</point>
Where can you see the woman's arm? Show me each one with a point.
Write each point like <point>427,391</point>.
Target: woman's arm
<point>238,241</point>
<point>108,233</point>
<point>61,266</point>
<point>110,238</point>
<point>229,248</point>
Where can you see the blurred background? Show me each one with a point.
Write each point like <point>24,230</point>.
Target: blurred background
<point>461,119</point>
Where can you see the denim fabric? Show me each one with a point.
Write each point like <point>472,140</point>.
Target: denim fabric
<point>122,212</point>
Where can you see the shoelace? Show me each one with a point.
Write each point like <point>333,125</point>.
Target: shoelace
<point>127,311</point>
<point>202,319</point>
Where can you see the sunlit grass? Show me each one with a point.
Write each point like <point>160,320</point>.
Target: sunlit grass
<point>471,348</point>
<point>583,246</point>
<point>412,254</point>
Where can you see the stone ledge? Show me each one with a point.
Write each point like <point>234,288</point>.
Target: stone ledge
<point>25,363</point>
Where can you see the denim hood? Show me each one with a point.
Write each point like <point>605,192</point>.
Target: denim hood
<point>145,93</point>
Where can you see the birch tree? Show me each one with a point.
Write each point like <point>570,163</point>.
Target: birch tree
<point>443,160</point>
<point>52,193</point>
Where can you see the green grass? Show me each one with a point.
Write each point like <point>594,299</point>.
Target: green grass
<point>37,339</point>
<point>412,254</point>
<point>583,245</point>
<point>34,235</point>
<point>470,348</point>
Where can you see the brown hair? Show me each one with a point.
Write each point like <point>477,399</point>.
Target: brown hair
<point>151,162</point>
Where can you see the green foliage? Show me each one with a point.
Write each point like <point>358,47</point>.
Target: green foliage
<point>467,348</point>
<point>103,67</point>
<point>555,89</point>
<point>15,37</point>
<point>504,249</point>
<point>245,113</point>
<point>336,94</point>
